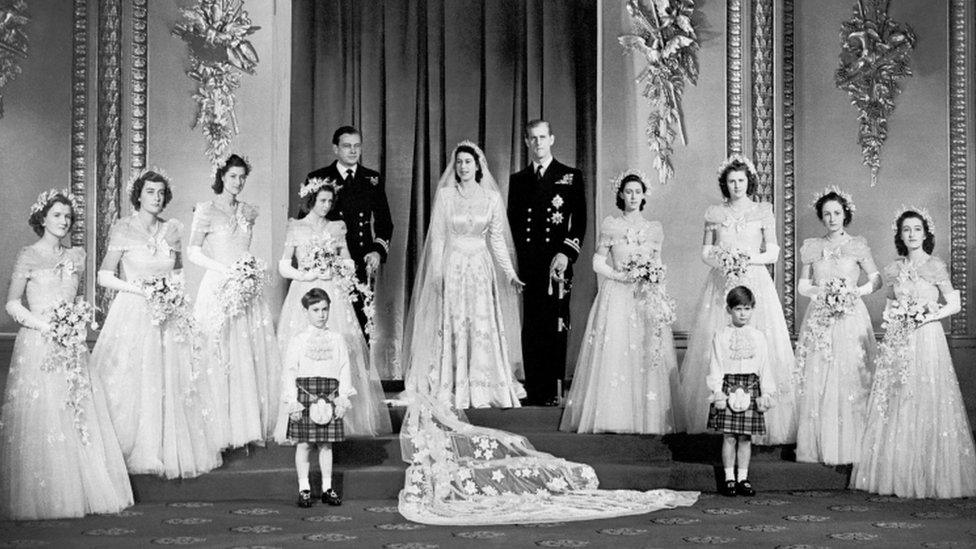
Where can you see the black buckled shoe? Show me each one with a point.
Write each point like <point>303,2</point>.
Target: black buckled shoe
<point>305,499</point>
<point>729,489</point>
<point>330,497</point>
<point>744,488</point>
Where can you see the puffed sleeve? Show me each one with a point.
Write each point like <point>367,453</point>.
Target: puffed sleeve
<point>655,235</point>
<point>77,256</point>
<point>496,237</point>
<point>608,232</point>
<point>859,248</point>
<point>174,234</point>
<point>291,234</point>
<point>23,266</point>
<point>764,212</point>
<point>811,250</point>
<point>935,271</point>
<point>118,238</point>
<point>251,213</point>
<point>714,216</point>
<point>202,220</point>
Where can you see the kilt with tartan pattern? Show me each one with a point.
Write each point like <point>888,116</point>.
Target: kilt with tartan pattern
<point>306,430</point>
<point>746,422</point>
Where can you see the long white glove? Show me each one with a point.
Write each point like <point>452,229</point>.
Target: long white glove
<point>107,279</point>
<point>708,255</point>
<point>25,317</point>
<point>873,283</point>
<point>286,270</point>
<point>196,256</point>
<point>600,266</point>
<point>771,255</point>
<point>953,305</point>
<point>807,288</point>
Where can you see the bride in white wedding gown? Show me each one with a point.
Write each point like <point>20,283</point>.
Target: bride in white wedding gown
<point>460,473</point>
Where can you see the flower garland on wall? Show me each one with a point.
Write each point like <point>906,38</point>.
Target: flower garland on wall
<point>216,33</point>
<point>13,41</point>
<point>874,52</point>
<point>664,35</point>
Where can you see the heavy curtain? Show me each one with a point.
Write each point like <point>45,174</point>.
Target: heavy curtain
<point>416,77</point>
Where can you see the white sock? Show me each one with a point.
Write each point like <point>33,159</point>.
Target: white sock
<point>729,473</point>
<point>302,465</point>
<point>325,464</point>
<point>743,474</point>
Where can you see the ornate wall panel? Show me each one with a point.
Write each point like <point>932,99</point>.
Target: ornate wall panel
<point>762,95</point>
<point>140,70</point>
<point>79,115</point>
<point>733,77</point>
<point>109,144</point>
<point>959,81</point>
<point>789,169</point>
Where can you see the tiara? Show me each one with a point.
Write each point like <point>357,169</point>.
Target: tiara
<point>313,185</point>
<point>836,190</point>
<point>223,162</point>
<point>46,197</point>
<point>138,175</point>
<point>924,212</point>
<point>615,181</point>
<point>737,158</point>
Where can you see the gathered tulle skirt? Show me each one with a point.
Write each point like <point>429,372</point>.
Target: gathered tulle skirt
<point>627,368</point>
<point>834,367</point>
<point>242,364</point>
<point>917,442</point>
<point>369,415</point>
<point>157,391</point>
<point>692,409</point>
<point>56,463</point>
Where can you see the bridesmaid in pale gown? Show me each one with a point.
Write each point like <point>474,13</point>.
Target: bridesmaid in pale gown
<point>627,367</point>
<point>834,354</point>
<point>310,235</point>
<point>918,442</point>
<point>158,395</point>
<point>739,225</point>
<point>59,454</point>
<point>241,351</point>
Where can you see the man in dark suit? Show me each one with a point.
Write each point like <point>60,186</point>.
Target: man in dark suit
<point>361,202</point>
<point>547,213</point>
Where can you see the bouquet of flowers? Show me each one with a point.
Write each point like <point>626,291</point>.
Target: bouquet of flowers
<point>837,298</point>
<point>734,264</point>
<point>644,270</point>
<point>166,295</point>
<point>899,320</point>
<point>651,276</point>
<point>245,281</point>
<point>69,322</point>
<point>327,262</point>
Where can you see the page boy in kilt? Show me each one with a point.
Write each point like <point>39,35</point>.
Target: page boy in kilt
<point>742,388</point>
<point>315,390</point>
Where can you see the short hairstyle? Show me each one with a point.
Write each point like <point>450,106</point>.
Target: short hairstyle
<point>140,182</point>
<point>309,201</point>
<point>532,124</point>
<point>478,174</point>
<point>740,296</point>
<point>927,245</point>
<point>833,196</point>
<point>737,166</point>
<point>623,183</point>
<point>233,161</point>
<point>345,130</point>
<point>36,219</point>
<point>316,295</point>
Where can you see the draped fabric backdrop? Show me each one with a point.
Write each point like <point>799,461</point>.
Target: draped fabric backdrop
<point>416,77</point>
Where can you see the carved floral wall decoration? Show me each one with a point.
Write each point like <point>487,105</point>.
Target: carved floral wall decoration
<point>664,35</point>
<point>216,33</point>
<point>13,41</point>
<point>874,53</point>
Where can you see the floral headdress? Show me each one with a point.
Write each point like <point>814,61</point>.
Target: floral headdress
<point>616,180</point>
<point>221,162</point>
<point>138,175</point>
<point>836,190</point>
<point>737,158</point>
<point>314,185</point>
<point>924,212</point>
<point>46,197</point>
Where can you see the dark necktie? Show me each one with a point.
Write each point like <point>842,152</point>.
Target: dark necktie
<point>348,177</point>
<point>538,173</point>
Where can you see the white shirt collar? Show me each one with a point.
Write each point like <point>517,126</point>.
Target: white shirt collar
<point>545,165</point>
<point>342,169</point>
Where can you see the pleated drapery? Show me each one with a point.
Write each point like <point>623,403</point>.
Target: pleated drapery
<point>416,77</point>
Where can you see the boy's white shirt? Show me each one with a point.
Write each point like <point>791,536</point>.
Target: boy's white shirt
<point>721,363</point>
<point>297,364</point>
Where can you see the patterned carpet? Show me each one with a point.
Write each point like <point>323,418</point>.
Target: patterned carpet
<point>771,519</point>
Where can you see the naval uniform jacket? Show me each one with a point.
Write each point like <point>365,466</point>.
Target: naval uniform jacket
<point>363,206</point>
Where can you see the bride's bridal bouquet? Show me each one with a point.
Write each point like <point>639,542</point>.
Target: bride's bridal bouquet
<point>69,322</point>
<point>734,264</point>
<point>246,279</point>
<point>166,295</point>
<point>328,263</point>
<point>651,276</point>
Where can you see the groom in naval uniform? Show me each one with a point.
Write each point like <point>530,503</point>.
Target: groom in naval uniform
<point>361,202</point>
<point>547,214</point>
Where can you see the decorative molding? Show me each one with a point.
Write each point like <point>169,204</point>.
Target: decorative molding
<point>13,41</point>
<point>762,95</point>
<point>109,146</point>
<point>959,53</point>
<point>140,70</point>
<point>79,117</point>
<point>733,77</point>
<point>789,169</point>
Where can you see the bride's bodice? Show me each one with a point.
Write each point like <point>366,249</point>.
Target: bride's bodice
<point>475,224</point>
<point>226,235</point>
<point>624,238</point>
<point>145,253</point>
<point>741,229</point>
<point>50,278</point>
<point>921,281</point>
<point>835,260</point>
<point>306,237</point>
